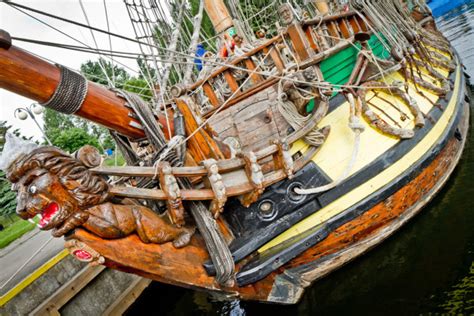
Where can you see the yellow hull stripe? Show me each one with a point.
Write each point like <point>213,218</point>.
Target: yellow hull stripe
<point>335,153</point>
<point>32,277</point>
<point>377,182</point>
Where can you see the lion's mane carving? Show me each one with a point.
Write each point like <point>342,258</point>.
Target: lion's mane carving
<point>87,188</point>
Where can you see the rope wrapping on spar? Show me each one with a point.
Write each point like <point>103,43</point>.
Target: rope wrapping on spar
<point>70,93</point>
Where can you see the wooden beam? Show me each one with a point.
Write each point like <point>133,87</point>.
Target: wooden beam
<point>231,81</point>
<point>236,61</point>
<point>346,33</point>
<point>211,95</point>
<point>299,41</point>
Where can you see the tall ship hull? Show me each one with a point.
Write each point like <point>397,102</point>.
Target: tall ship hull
<point>281,163</point>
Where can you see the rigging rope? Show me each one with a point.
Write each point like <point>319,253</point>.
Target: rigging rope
<point>357,127</point>
<point>96,46</point>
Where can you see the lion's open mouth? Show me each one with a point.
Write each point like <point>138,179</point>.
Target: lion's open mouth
<point>48,213</point>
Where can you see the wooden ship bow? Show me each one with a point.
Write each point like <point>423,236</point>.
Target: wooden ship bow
<point>291,152</point>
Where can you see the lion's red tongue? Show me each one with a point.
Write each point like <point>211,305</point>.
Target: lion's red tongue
<point>48,213</point>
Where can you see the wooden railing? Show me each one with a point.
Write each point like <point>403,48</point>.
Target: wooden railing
<point>311,41</point>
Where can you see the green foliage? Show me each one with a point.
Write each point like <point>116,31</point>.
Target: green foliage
<point>94,71</point>
<point>115,161</point>
<point>140,87</point>
<point>253,9</point>
<point>7,196</point>
<point>14,231</point>
<point>74,138</point>
<point>55,123</point>
<point>3,131</point>
<point>70,133</point>
<point>206,24</point>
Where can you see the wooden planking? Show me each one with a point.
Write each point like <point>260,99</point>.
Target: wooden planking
<point>183,267</point>
<point>391,214</point>
<point>325,159</point>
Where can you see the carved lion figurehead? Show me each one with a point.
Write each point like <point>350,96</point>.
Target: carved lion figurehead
<point>54,185</point>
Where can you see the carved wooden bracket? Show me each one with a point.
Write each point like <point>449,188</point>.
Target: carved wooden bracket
<point>83,252</point>
<point>217,185</point>
<point>282,158</point>
<point>255,175</point>
<point>170,187</point>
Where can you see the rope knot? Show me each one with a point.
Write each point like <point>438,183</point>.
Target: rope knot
<point>356,124</point>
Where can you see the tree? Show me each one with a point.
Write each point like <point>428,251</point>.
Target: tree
<point>56,122</point>
<point>74,138</point>
<point>7,197</point>
<point>94,71</point>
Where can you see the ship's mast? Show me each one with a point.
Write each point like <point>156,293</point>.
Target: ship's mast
<point>322,6</point>
<point>223,25</point>
<point>219,15</point>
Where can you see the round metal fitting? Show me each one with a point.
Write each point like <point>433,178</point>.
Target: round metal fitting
<point>292,195</point>
<point>267,210</point>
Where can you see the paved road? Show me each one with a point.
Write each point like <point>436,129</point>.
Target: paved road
<point>18,252</point>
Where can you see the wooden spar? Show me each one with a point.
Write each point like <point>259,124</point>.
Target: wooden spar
<point>322,6</point>
<point>219,15</point>
<point>34,78</point>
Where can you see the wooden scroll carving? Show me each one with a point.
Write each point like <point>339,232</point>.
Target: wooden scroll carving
<point>83,252</point>
<point>66,194</point>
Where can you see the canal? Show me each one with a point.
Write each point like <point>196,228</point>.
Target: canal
<point>426,267</point>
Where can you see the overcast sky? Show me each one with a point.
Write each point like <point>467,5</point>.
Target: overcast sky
<point>20,25</point>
